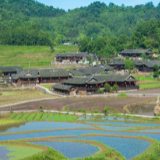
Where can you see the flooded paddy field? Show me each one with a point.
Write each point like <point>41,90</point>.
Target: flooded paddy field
<point>82,138</point>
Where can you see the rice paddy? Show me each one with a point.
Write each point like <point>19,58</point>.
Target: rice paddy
<point>72,137</point>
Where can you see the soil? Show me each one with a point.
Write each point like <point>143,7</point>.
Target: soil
<point>90,103</point>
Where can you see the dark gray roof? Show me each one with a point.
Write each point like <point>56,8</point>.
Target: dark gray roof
<point>81,54</point>
<point>87,71</point>
<point>60,86</point>
<point>148,63</point>
<point>32,73</point>
<point>97,79</point>
<point>136,51</point>
<point>11,69</point>
<point>116,63</point>
<point>51,73</point>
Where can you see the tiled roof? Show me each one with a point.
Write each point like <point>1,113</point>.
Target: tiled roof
<point>44,73</point>
<point>10,69</point>
<point>136,51</point>
<point>61,86</point>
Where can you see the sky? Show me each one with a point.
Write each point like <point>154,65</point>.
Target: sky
<point>71,4</point>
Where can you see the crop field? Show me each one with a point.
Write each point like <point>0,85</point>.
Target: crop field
<point>41,117</point>
<point>10,97</point>
<point>112,137</point>
<point>31,56</point>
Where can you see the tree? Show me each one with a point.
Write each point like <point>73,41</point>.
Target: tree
<point>107,87</point>
<point>40,107</point>
<point>1,73</point>
<point>156,68</point>
<point>129,65</point>
<point>106,110</point>
<point>115,87</point>
<point>156,74</point>
<point>143,56</point>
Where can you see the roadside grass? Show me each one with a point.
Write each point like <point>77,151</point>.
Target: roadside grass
<point>11,97</point>
<point>122,95</point>
<point>47,86</point>
<point>31,56</point>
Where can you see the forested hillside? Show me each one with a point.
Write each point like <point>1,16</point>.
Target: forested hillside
<point>100,28</point>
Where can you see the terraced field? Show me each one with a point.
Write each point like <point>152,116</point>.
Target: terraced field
<point>42,117</point>
<point>106,138</point>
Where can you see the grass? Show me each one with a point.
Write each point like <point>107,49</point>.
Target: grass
<point>47,86</point>
<point>31,56</point>
<point>21,95</point>
<point>20,152</point>
<point>145,78</point>
<point>122,95</point>
<point>50,117</point>
<point>152,154</point>
<point>56,117</point>
<point>38,117</point>
<point>148,86</point>
<point>42,117</point>
<point>8,121</point>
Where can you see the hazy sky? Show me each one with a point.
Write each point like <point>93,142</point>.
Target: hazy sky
<point>71,4</point>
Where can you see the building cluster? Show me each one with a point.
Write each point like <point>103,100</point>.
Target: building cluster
<point>86,80</point>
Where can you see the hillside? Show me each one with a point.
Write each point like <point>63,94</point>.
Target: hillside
<point>30,8</point>
<point>32,23</point>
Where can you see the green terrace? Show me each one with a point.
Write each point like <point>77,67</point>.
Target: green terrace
<point>42,117</point>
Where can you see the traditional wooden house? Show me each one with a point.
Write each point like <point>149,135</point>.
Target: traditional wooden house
<point>146,65</point>
<point>41,76</point>
<point>117,65</point>
<point>91,84</point>
<point>135,53</point>
<point>10,70</point>
<point>53,75</point>
<point>72,57</point>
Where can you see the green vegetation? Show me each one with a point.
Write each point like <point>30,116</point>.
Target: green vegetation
<point>47,86</point>
<point>122,95</point>
<point>31,56</point>
<point>38,117</point>
<point>10,97</point>
<point>152,154</point>
<point>48,155</point>
<point>8,121</point>
<point>145,78</point>
<point>107,88</point>
<point>20,151</point>
<point>147,86</point>
<point>129,65</point>
<point>31,23</point>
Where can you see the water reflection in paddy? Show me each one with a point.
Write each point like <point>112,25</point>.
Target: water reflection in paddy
<point>71,149</point>
<point>129,148</point>
<point>74,132</point>
<point>125,124</point>
<point>33,126</point>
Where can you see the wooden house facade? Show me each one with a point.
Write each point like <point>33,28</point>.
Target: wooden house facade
<point>135,53</point>
<point>91,84</point>
<point>72,57</point>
